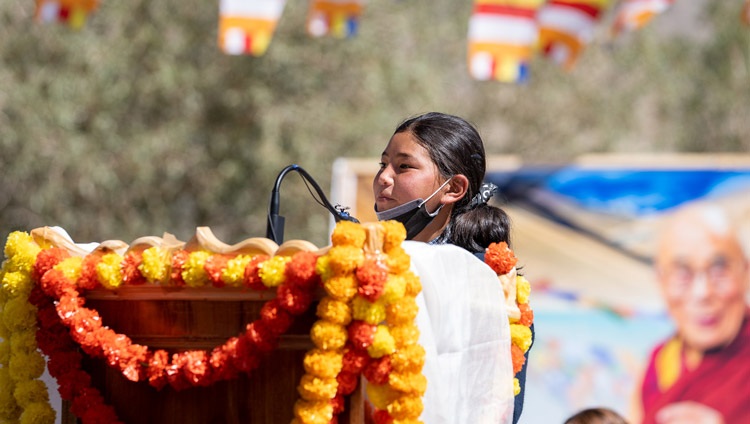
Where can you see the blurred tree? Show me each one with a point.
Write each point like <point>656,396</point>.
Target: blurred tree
<point>138,124</point>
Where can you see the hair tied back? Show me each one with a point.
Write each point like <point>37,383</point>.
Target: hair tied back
<point>483,196</point>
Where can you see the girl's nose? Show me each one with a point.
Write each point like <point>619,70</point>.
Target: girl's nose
<point>385,176</point>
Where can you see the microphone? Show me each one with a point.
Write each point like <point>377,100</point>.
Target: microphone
<point>275,224</point>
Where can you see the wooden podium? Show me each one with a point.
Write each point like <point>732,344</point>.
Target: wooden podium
<point>191,319</point>
<point>200,318</point>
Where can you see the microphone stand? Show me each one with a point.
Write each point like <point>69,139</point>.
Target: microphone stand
<point>275,226</point>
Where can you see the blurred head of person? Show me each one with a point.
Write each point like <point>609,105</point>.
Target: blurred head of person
<point>596,416</point>
<point>703,274</point>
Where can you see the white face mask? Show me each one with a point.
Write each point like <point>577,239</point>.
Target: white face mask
<point>413,214</point>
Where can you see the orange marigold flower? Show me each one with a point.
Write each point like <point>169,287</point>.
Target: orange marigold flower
<point>214,267</point>
<point>88,279</point>
<point>46,259</point>
<point>252,278</point>
<point>518,359</point>
<point>361,334</point>
<point>348,233</point>
<point>301,270</point>
<point>527,315</point>
<point>130,272</point>
<point>179,259</point>
<point>372,276</point>
<point>500,258</point>
<point>377,370</point>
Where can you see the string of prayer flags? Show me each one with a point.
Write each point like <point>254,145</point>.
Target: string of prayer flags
<point>635,14</point>
<point>502,37</point>
<point>71,12</point>
<point>247,26</point>
<point>338,18</point>
<point>566,27</point>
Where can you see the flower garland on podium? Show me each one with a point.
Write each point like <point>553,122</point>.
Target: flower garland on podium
<point>517,289</point>
<point>366,323</point>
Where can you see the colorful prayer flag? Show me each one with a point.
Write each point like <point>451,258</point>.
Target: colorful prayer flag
<point>72,12</point>
<point>635,14</point>
<point>247,26</point>
<point>566,27</point>
<point>502,38</point>
<point>339,18</point>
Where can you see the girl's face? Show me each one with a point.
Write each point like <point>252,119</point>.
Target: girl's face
<point>406,173</point>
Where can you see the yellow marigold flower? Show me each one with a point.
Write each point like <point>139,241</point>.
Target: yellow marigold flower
<point>26,365</point>
<point>413,284</point>
<point>234,273</point>
<point>21,252</point>
<point>31,391</point>
<point>4,351</point>
<point>523,289</point>
<point>313,412</point>
<point>9,410</point>
<point>408,421</point>
<point>414,383</point>
<point>348,233</point>
<point>398,261</point>
<point>70,267</point>
<point>335,311</point>
<point>395,288</point>
<point>327,335</point>
<point>370,312</point>
<point>345,259</point>
<point>405,335</point>
<point>155,264</point>
<point>516,387</point>
<point>380,395</point>
<point>19,315</point>
<point>37,412</point>
<point>23,341</point>
<point>323,268</point>
<point>17,284</point>
<point>108,271</point>
<point>342,287</point>
<point>382,344</point>
<point>316,388</point>
<point>323,363</point>
<point>406,407</point>
<point>520,335</point>
<point>271,272</point>
<point>193,272</point>
<point>408,359</point>
<point>402,311</point>
<point>395,234</point>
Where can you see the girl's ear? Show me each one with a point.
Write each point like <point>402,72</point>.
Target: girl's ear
<point>457,189</point>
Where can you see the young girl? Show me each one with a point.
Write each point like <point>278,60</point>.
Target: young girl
<point>431,180</point>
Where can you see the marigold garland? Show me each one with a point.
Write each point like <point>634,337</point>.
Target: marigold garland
<point>503,261</point>
<point>365,327</point>
<point>51,276</point>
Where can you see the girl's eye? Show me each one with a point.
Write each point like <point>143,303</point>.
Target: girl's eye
<point>404,166</point>
<point>382,165</point>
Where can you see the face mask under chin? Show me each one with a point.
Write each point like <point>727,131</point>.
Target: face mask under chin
<point>413,214</point>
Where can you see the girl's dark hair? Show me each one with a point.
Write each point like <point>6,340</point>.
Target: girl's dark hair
<point>455,147</point>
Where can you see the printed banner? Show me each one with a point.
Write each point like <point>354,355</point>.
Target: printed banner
<point>502,38</point>
<point>338,18</point>
<point>247,26</point>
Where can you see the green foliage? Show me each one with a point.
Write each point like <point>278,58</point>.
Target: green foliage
<point>138,124</point>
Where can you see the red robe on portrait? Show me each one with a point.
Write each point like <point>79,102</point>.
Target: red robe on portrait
<point>721,381</point>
